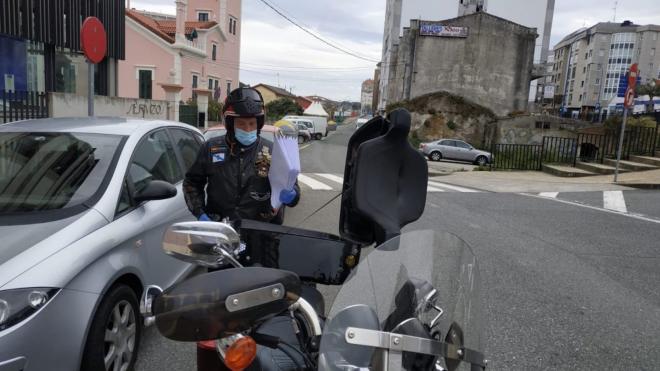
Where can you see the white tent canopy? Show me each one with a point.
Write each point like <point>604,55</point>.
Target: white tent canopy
<point>315,109</point>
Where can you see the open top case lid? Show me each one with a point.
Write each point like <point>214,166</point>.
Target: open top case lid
<point>385,181</point>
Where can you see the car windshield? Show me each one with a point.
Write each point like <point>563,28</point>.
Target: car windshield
<point>49,171</point>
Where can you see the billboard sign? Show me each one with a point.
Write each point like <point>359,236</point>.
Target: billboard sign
<point>438,29</point>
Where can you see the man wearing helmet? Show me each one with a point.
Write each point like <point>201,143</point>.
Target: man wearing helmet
<point>234,168</point>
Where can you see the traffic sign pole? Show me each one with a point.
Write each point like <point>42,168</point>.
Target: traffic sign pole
<point>618,152</point>
<point>90,87</point>
<point>628,102</point>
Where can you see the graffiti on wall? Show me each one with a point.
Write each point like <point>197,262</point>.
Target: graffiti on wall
<point>146,109</point>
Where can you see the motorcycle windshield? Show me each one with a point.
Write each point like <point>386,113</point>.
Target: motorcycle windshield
<point>422,284</point>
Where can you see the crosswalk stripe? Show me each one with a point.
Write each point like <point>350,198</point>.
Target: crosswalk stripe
<point>613,200</point>
<point>549,194</point>
<point>318,185</point>
<point>313,183</point>
<point>334,178</point>
<point>452,187</point>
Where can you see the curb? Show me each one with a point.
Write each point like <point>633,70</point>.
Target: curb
<point>640,185</point>
<point>434,173</point>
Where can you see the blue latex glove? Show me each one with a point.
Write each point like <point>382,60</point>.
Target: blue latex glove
<point>287,196</point>
<point>204,218</point>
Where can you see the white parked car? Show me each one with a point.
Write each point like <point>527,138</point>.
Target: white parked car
<point>361,121</point>
<point>318,128</point>
<point>84,204</point>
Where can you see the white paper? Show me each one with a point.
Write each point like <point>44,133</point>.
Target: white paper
<point>284,167</point>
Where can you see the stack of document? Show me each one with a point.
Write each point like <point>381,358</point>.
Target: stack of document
<point>284,167</point>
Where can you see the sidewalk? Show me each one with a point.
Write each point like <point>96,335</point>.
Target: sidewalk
<point>536,181</point>
<point>447,167</point>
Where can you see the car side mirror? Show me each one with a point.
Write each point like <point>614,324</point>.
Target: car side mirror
<point>208,244</point>
<point>223,303</point>
<point>156,190</point>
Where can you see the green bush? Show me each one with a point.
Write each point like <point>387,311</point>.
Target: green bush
<point>215,111</point>
<point>414,139</point>
<point>451,125</point>
<point>281,107</point>
<point>613,123</point>
<point>643,121</point>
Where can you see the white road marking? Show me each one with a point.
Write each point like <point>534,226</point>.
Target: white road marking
<point>333,177</point>
<point>305,146</point>
<point>317,185</point>
<point>634,216</point>
<point>549,194</point>
<point>613,200</point>
<point>430,188</point>
<point>313,183</point>
<point>452,187</point>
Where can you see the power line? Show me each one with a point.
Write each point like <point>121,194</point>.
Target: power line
<point>234,66</point>
<point>303,78</point>
<point>310,68</point>
<point>298,68</point>
<point>283,10</point>
<point>346,51</point>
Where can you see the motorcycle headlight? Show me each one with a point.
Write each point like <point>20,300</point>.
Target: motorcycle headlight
<point>17,305</point>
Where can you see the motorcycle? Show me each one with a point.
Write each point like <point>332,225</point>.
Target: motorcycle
<point>412,303</point>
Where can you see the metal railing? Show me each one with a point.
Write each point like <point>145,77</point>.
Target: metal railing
<point>517,156</point>
<point>640,141</point>
<point>22,105</point>
<point>559,150</point>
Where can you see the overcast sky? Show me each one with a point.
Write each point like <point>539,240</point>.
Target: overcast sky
<point>269,40</point>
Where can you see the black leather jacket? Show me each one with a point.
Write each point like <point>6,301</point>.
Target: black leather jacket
<point>236,182</point>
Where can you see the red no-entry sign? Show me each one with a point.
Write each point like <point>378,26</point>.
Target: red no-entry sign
<point>93,40</point>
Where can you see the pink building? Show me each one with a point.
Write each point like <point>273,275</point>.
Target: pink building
<point>167,56</point>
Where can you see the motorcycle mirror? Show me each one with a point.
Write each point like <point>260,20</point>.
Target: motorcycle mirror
<point>201,243</point>
<point>223,303</point>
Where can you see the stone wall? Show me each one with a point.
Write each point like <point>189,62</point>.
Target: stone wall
<point>529,129</point>
<point>443,115</point>
<point>70,105</point>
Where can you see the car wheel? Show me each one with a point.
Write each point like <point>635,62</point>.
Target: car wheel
<point>435,156</point>
<point>482,161</point>
<point>114,336</point>
<point>318,136</point>
<point>301,139</point>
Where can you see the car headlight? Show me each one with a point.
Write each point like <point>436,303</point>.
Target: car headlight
<point>17,305</point>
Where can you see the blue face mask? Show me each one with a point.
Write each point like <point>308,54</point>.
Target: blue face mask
<point>245,137</point>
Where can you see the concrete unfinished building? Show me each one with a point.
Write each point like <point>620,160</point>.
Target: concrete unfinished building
<point>479,56</point>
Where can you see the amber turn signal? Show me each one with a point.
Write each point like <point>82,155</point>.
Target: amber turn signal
<point>241,353</point>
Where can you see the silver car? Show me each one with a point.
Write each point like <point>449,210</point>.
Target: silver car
<point>84,204</point>
<point>454,149</point>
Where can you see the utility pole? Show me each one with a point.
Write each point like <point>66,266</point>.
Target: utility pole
<point>616,3</point>
<point>278,79</point>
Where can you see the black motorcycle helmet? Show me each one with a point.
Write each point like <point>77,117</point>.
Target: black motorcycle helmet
<point>243,102</point>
